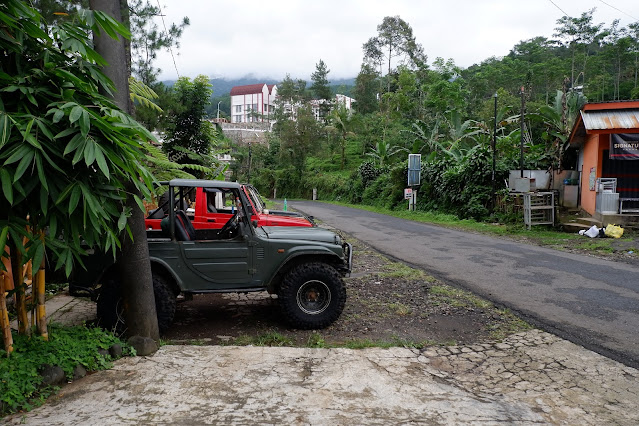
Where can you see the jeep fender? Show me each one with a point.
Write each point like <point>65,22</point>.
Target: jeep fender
<point>300,255</point>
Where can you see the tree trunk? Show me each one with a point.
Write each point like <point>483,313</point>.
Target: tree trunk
<point>133,262</point>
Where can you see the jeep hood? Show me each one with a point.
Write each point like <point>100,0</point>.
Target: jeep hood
<point>302,233</point>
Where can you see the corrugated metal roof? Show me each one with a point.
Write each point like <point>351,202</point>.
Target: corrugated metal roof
<point>249,89</point>
<point>611,119</point>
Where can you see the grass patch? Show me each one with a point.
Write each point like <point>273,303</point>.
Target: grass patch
<point>271,338</point>
<point>400,309</point>
<point>402,271</point>
<point>458,298</point>
<point>511,324</point>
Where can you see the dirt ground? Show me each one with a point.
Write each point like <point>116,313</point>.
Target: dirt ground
<point>388,304</point>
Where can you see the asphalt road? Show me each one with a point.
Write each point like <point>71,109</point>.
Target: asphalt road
<point>589,301</point>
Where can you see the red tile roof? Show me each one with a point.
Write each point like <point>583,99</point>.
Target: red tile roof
<point>249,89</point>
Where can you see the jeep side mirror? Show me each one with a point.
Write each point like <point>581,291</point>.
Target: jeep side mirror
<point>254,223</point>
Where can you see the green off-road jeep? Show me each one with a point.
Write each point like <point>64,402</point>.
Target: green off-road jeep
<point>304,266</point>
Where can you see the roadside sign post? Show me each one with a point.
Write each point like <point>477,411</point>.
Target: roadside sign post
<point>414,176</point>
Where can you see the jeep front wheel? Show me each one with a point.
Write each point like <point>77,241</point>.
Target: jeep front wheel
<point>312,296</point>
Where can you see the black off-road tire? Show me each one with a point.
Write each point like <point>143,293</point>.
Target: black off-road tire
<point>312,296</point>
<point>110,310</point>
<point>165,303</point>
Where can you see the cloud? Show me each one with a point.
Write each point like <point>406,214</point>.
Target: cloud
<point>272,39</point>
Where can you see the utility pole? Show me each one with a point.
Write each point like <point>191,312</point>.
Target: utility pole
<point>494,148</point>
<point>521,139</point>
<point>133,262</point>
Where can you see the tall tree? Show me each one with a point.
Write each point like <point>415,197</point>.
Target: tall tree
<point>366,90</point>
<point>578,34</point>
<point>133,263</point>
<point>321,89</point>
<point>147,39</point>
<point>394,41</point>
<point>187,130</point>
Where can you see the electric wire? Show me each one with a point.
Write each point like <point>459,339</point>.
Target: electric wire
<point>619,10</point>
<point>170,49</point>
<point>560,9</point>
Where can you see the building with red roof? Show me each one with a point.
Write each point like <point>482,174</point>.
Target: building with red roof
<point>253,103</point>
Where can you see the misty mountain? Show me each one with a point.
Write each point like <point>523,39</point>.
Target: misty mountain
<point>222,86</point>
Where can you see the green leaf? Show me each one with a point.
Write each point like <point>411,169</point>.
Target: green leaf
<point>74,143</point>
<point>76,113</point>
<point>7,187</point>
<point>66,132</point>
<point>89,152</point>
<point>39,254</point>
<point>85,124</point>
<point>23,165</point>
<point>3,239</point>
<point>57,115</point>
<point>41,175</point>
<point>121,222</point>
<point>75,198</point>
<point>102,164</point>
<point>44,200</point>
<point>5,128</point>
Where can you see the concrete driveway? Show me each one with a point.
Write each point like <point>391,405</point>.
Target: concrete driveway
<point>530,378</point>
<point>590,301</point>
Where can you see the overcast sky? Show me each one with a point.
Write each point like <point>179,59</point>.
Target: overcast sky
<point>277,37</point>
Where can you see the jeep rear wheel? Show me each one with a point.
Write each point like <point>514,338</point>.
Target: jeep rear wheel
<point>110,307</point>
<point>312,296</point>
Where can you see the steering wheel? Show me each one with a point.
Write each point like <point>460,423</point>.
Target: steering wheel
<point>230,226</point>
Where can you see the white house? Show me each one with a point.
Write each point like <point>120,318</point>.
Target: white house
<point>340,100</point>
<point>253,103</point>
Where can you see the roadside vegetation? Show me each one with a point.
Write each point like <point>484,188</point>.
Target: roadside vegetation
<point>22,386</point>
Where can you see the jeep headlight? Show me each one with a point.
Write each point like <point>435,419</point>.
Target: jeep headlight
<point>338,240</point>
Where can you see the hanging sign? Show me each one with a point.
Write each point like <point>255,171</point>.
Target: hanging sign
<point>624,146</point>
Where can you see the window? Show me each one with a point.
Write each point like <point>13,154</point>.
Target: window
<point>238,118</point>
<point>248,107</point>
<point>254,107</point>
<point>238,108</point>
<point>265,107</point>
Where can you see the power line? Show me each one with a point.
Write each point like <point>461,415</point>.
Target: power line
<point>619,10</point>
<point>167,31</point>
<point>560,9</point>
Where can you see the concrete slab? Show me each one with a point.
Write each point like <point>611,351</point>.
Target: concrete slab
<point>529,378</point>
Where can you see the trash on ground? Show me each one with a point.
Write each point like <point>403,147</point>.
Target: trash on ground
<point>614,231</point>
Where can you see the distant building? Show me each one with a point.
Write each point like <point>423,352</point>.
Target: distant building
<point>253,103</point>
<point>340,99</point>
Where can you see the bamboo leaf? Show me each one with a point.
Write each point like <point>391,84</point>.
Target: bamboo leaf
<point>75,198</point>
<point>7,187</point>
<point>76,113</point>
<point>85,124</point>
<point>23,165</point>
<point>102,164</point>
<point>41,174</point>
<point>122,221</point>
<point>3,241</point>
<point>5,128</point>
<point>57,116</point>
<point>39,253</point>
<point>89,152</point>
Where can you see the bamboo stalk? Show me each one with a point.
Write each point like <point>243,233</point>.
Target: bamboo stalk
<point>20,295</point>
<point>5,325</point>
<point>41,314</point>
